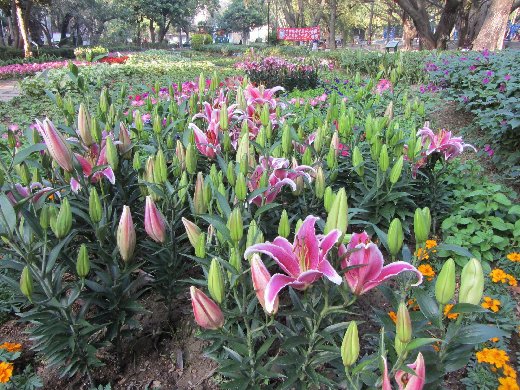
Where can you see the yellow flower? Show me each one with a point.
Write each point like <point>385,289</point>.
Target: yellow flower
<point>413,304</point>
<point>451,316</point>
<point>509,371</point>
<point>6,371</point>
<point>514,256</point>
<point>492,304</point>
<point>422,254</point>
<point>393,316</point>
<point>431,244</point>
<point>494,339</point>
<point>499,276</point>
<point>11,347</point>
<point>427,271</point>
<point>493,356</point>
<point>507,383</point>
<point>511,280</point>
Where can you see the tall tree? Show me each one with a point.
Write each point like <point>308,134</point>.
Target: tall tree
<point>23,10</point>
<point>418,10</point>
<point>241,18</point>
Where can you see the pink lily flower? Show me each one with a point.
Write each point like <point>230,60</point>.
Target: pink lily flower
<point>442,142</point>
<point>304,261</point>
<point>25,192</point>
<point>207,313</point>
<point>361,251</point>
<point>207,143</point>
<point>406,381</point>
<point>301,148</point>
<point>280,174</point>
<point>94,158</point>
<point>261,95</point>
<point>56,144</point>
<point>261,277</point>
<point>387,385</point>
<point>383,85</point>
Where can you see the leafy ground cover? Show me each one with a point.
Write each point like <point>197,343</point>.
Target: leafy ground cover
<point>151,180</point>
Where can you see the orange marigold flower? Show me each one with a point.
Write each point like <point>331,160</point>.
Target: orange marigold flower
<point>448,314</point>
<point>431,244</point>
<point>393,316</point>
<point>493,356</point>
<point>494,339</point>
<point>509,371</point>
<point>507,383</point>
<point>514,256</point>
<point>437,346</point>
<point>491,304</point>
<point>499,276</point>
<point>6,371</point>
<point>427,271</point>
<point>422,254</point>
<point>11,347</point>
<point>511,280</point>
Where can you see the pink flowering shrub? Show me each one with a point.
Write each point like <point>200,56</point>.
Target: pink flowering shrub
<point>22,70</point>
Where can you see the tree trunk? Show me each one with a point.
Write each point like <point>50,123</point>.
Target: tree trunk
<point>14,26</point>
<point>319,14</point>
<point>301,17</point>
<point>370,23</point>
<point>332,24</point>
<point>2,36</point>
<point>64,27</point>
<point>152,31</point>
<point>409,32</point>
<point>491,35</point>
<point>180,37</point>
<point>289,14</point>
<point>21,18</point>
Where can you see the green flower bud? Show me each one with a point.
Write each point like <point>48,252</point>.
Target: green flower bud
<point>111,153</point>
<point>191,159</point>
<point>63,220</point>
<point>421,224</point>
<point>384,161</point>
<point>337,217</point>
<point>400,347</point>
<point>216,281</point>
<point>198,196</point>
<point>45,217</point>
<point>357,161</point>
<point>83,262</point>
<point>284,226</point>
<point>202,84</point>
<point>95,210</point>
<point>445,284</point>
<point>26,283</point>
<point>160,169</point>
<point>264,115</point>
<point>350,345</point>
<point>224,119</point>
<point>136,163</point>
<point>104,100</point>
<point>235,259</point>
<point>328,198</point>
<point>389,112</point>
<point>230,173</point>
<point>286,140</point>
<point>319,184</point>
<point>240,187</point>
<point>403,324</point>
<point>395,237</point>
<point>471,283</point>
<point>395,173</point>
<point>200,247</point>
<point>183,187</point>
<point>235,225</point>
<point>299,224</point>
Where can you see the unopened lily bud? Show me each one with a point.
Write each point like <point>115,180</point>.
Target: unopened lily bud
<point>350,345</point>
<point>213,174</point>
<point>83,262</point>
<point>198,196</point>
<point>254,235</point>
<point>183,187</point>
<point>260,277</point>
<point>264,115</point>
<point>84,125</point>
<point>224,119</point>
<point>216,281</point>
<point>25,175</point>
<point>284,227</point>
<point>138,121</point>
<point>421,224</point>
<point>230,173</point>
<point>202,84</point>
<point>226,142</point>
<point>11,139</point>
<point>180,153</point>
<point>471,283</point>
<point>192,230</point>
<point>63,220</point>
<point>395,237</point>
<point>191,159</point>
<point>307,157</point>
<point>400,347</point>
<point>207,313</point>
<point>299,224</point>
<point>207,194</point>
<point>136,162</point>
<point>95,130</point>
<point>235,259</point>
<point>160,169</point>
<point>389,112</point>
<point>154,223</point>
<point>286,140</point>
<point>157,124</point>
<point>403,324</point>
<point>104,100</point>
<point>319,184</point>
<point>200,247</point>
<point>56,145</point>
<point>95,210</point>
<point>445,284</point>
<point>395,173</point>
<point>384,160</point>
<point>261,138</point>
<point>45,217</point>
<point>235,225</point>
<point>240,187</point>
<point>357,161</point>
<point>337,216</point>
<point>126,238</point>
<point>26,283</point>
<point>149,170</point>
<point>111,153</point>
<point>125,144</point>
<point>328,198</point>
<point>243,148</point>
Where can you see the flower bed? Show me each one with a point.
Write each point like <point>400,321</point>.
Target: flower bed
<point>23,70</point>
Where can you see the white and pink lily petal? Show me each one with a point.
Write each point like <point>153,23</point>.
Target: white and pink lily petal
<point>304,261</point>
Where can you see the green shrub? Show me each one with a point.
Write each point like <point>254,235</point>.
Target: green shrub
<point>89,53</point>
<point>198,40</point>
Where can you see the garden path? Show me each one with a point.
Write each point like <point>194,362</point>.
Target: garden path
<point>8,90</point>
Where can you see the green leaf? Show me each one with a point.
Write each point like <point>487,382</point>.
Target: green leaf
<point>22,155</point>
<point>219,224</point>
<point>467,308</point>
<point>292,342</point>
<point>265,346</point>
<point>428,306</point>
<point>417,343</point>
<point>502,199</point>
<point>477,333</point>
<point>265,208</point>
<point>455,249</point>
<point>9,215</point>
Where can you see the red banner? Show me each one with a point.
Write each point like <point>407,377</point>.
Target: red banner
<point>299,34</point>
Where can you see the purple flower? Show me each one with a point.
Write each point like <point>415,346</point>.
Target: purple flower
<point>507,77</point>
<point>489,73</point>
<point>442,142</point>
<point>485,81</point>
<point>472,68</point>
<point>488,150</point>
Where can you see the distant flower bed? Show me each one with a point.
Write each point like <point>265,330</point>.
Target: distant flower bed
<point>277,71</point>
<point>114,60</point>
<point>22,70</point>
